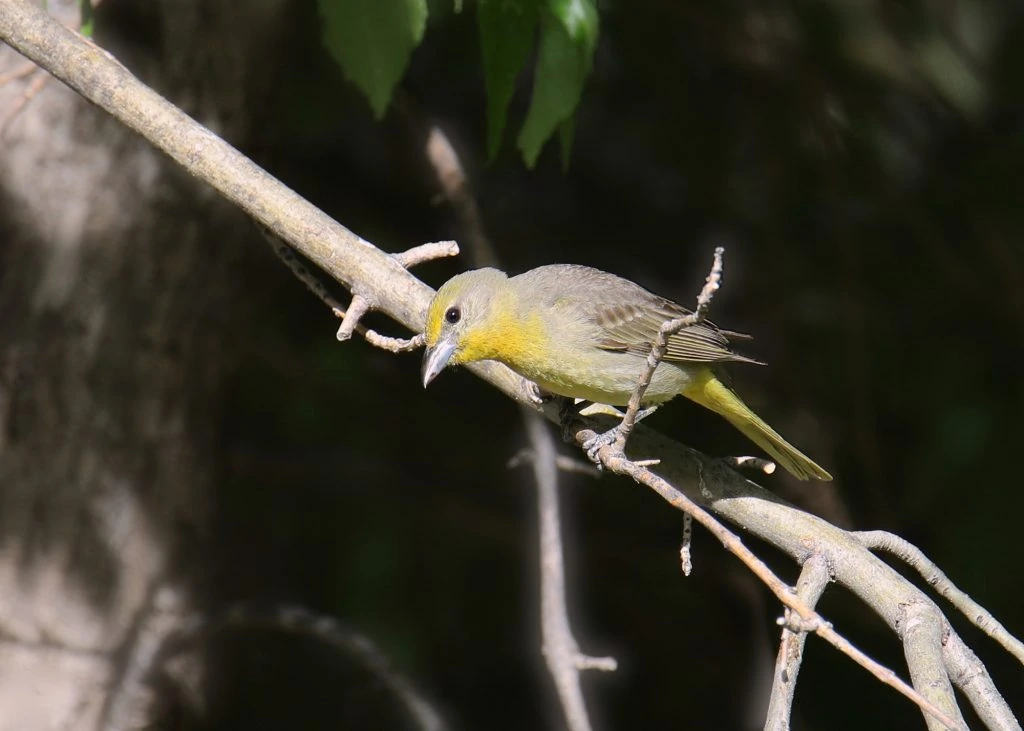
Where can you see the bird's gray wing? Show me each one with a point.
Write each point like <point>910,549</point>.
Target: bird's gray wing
<point>633,327</point>
<point>628,317</point>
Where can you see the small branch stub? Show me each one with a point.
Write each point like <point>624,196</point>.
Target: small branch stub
<point>604,664</point>
<point>685,555</point>
<point>756,463</point>
<point>426,252</point>
<point>797,624</point>
<point>356,309</point>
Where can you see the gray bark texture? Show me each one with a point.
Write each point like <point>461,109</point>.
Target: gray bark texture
<point>113,312</point>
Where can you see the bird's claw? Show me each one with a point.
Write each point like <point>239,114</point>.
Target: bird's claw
<point>568,411</point>
<point>534,395</point>
<point>611,438</point>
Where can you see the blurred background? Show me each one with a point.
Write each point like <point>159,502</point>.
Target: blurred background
<point>177,412</point>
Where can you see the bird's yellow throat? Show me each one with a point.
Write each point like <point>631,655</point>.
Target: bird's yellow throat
<point>507,336</point>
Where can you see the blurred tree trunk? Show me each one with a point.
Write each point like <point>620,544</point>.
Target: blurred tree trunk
<point>116,289</point>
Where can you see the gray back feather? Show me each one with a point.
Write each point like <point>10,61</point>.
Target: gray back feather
<point>626,317</point>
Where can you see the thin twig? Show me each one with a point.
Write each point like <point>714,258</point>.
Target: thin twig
<point>394,345</point>
<point>299,620</point>
<point>814,577</point>
<point>880,540</point>
<point>30,92</point>
<point>561,651</point>
<point>19,72</point>
<point>290,258</point>
<point>660,346</point>
<point>614,461</point>
<point>359,306</point>
<point>452,178</point>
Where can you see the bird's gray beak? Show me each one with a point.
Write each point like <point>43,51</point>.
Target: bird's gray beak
<point>436,358</point>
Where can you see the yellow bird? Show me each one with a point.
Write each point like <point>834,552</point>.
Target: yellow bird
<point>584,333</point>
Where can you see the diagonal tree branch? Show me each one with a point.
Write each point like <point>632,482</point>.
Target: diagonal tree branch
<point>807,619</point>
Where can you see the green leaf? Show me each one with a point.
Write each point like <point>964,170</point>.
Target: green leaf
<point>506,30</point>
<point>580,20</point>
<point>88,24</point>
<point>371,40</point>
<point>567,41</point>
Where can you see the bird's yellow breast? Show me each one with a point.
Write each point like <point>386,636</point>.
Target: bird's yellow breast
<point>559,352</point>
<point>563,359</point>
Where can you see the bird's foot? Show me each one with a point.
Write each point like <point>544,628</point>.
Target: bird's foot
<point>611,438</point>
<point>614,438</point>
<point>535,395</point>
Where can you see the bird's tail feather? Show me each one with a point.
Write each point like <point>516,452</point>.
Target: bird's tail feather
<point>711,393</point>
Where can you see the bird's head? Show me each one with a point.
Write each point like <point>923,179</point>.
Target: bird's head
<point>461,322</point>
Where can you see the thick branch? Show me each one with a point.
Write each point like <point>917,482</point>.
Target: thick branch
<point>922,644</point>
<point>813,580</point>
<point>969,675</point>
<point>348,258</point>
<point>880,540</point>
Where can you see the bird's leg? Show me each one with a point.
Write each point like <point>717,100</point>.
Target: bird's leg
<point>614,437</point>
<point>568,412</point>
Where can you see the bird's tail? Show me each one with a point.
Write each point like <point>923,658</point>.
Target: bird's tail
<point>711,393</point>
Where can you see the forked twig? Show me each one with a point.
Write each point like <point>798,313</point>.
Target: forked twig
<point>350,318</point>
<point>660,346</point>
<point>813,579</point>
<point>880,540</point>
<point>809,620</point>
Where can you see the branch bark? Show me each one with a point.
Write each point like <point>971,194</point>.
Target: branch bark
<point>811,585</point>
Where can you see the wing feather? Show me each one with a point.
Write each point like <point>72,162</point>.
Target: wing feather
<point>627,316</point>
<point>630,318</point>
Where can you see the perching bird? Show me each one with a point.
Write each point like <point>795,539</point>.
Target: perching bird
<point>583,333</point>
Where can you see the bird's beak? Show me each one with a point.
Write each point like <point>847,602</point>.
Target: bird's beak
<point>436,357</point>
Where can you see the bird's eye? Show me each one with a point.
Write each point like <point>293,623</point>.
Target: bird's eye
<point>453,315</point>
